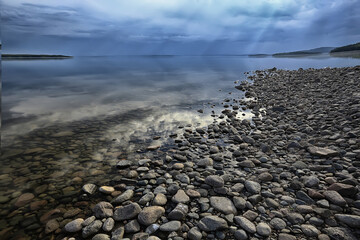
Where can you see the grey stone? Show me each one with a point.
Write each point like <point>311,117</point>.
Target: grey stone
<point>322,152</point>
<point>309,230</point>
<point>245,224</point>
<point>240,235</point>
<point>92,229</point>
<point>295,218</point>
<point>127,195</point>
<point>350,220</point>
<point>239,202</point>
<point>170,226</point>
<point>340,233</point>
<point>223,204</point>
<point>179,212</point>
<point>278,223</point>
<point>194,234</point>
<point>252,187</point>
<point>146,198</point>
<point>101,236</point>
<point>311,181</point>
<point>118,233</point>
<point>75,225</point>
<point>180,197</point>
<point>132,226</point>
<point>129,211</point>
<point>150,215</point>
<point>152,228</point>
<point>263,229</point>
<point>103,210</point>
<point>108,225</point>
<point>285,236</point>
<point>160,199</point>
<point>124,164</point>
<point>212,223</point>
<point>214,181</point>
<point>89,188</point>
<point>335,198</point>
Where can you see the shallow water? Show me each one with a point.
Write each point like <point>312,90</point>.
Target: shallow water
<point>67,122</point>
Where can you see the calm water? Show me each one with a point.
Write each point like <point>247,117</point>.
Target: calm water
<point>67,122</point>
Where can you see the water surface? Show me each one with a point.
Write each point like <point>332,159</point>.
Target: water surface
<point>67,122</point>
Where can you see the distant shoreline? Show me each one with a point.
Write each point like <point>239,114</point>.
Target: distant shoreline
<point>32,56</point>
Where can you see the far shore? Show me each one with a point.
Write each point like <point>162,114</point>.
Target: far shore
<point>32,56</point>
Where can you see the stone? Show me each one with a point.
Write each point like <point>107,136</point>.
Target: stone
<point>311,181</point>
<point>278,223</point>
<point>118,233</point>
<point>223,204</point>
<point>240,235</point>
<point>127,195</point>
<point>344,190</point>
<point>350,220</point>
<point>340,233</point>
<point>129,211</point>
<point>153,238</point>
<point>170,226</point>
<point>194,234</point>
<point>193,193</point>
<point>239,202</point>
<point>51,226</point>
<point>160,199</point>
<point>245,224</point>
<point>152,228</point>
<point>205,162</point>
<point>89,188</point>
<point>214,181</point>
<point>91,229</point>
<point>74,226</point>
<point>309,230</point>
<point>106,189</point>
<point>180,197</point>
<point>108,225</point>
<point>178,166</point>
<point>265,177</point>
<point>101,236</point>
<point>322,152</point>
<point>251,215</point>
<point>335,198</point>
<point>295,218</point>
<point>146,198</point>
<point>124,164</point>
<point>150,215</point>
<point>285,236</point>
<point>179,212</point>
<point>132,226</point>
<point>246,164</point>
<point>88,221</point>
<point>263,229</point>
<point>252,187</point>
<point>212,223</point>
<point>103,210</point>
<point>24,199</point>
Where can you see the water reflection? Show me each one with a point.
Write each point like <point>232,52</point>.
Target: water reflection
<point>66,123</point>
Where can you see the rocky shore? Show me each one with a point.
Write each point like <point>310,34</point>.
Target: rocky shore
<point>292,172</point>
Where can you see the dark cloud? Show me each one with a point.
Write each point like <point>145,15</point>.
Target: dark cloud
<point>179,27</point>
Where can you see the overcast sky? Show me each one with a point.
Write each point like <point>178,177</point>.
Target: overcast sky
<point>111,27</point>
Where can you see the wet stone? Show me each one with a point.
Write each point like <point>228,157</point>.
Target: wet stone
<point>129,211</point>
<point>245,224</point>
<point>89,188</point>
<point>150,215</point>
<point>214,181</point>
<point>91,229</point>
<point>103,210</point>
<point>212,223</point>
<point>75,225</point>
<point>170,226</point>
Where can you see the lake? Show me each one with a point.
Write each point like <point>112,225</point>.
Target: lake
<point>68,122</point>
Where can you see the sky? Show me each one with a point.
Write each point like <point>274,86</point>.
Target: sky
<point>176,27</point>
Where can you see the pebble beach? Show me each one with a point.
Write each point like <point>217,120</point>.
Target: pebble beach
<point>290,172</point>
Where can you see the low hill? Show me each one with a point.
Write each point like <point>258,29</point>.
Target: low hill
<point>351,47</point>
<point>306,52</point>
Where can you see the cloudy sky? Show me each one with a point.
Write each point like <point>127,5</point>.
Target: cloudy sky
<point>112,27</point>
